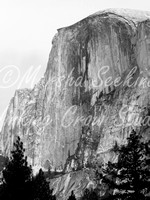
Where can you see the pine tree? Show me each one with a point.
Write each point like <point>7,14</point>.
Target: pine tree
<point>41,188</point>
<point>129,178</point>
<point>17,174</point>
<point>89,195</point>
<point>18,181</point>
<point>72,197</point>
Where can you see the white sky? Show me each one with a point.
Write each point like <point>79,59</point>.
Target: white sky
<point>28,26</point>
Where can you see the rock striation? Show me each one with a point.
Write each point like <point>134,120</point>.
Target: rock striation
<point>94,92</point>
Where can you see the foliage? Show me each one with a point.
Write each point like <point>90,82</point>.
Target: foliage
<point>17,174</point>
<point>72,196</point>
<point>129,178</point>
<point>90,195</point>
<point>18,181</point>
<point>41,188</point>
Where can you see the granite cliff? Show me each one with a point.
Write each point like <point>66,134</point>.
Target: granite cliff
<point>94,92</point>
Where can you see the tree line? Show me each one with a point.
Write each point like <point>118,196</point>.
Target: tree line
<point>18,182</point>
<point>126,179</point>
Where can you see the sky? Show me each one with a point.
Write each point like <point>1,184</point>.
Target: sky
<point>26,31</point>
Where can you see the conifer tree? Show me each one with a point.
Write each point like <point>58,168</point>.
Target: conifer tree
<point>72,196</point>
<point>17,174</point>
<point>18,181</point>
<point>41,188</point>
<point>89,195</point>
<point>129,178</point>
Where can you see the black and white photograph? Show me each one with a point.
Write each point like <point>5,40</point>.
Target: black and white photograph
<point>74,100</point>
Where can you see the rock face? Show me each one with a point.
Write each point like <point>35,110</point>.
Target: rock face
<point>94,92</point>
